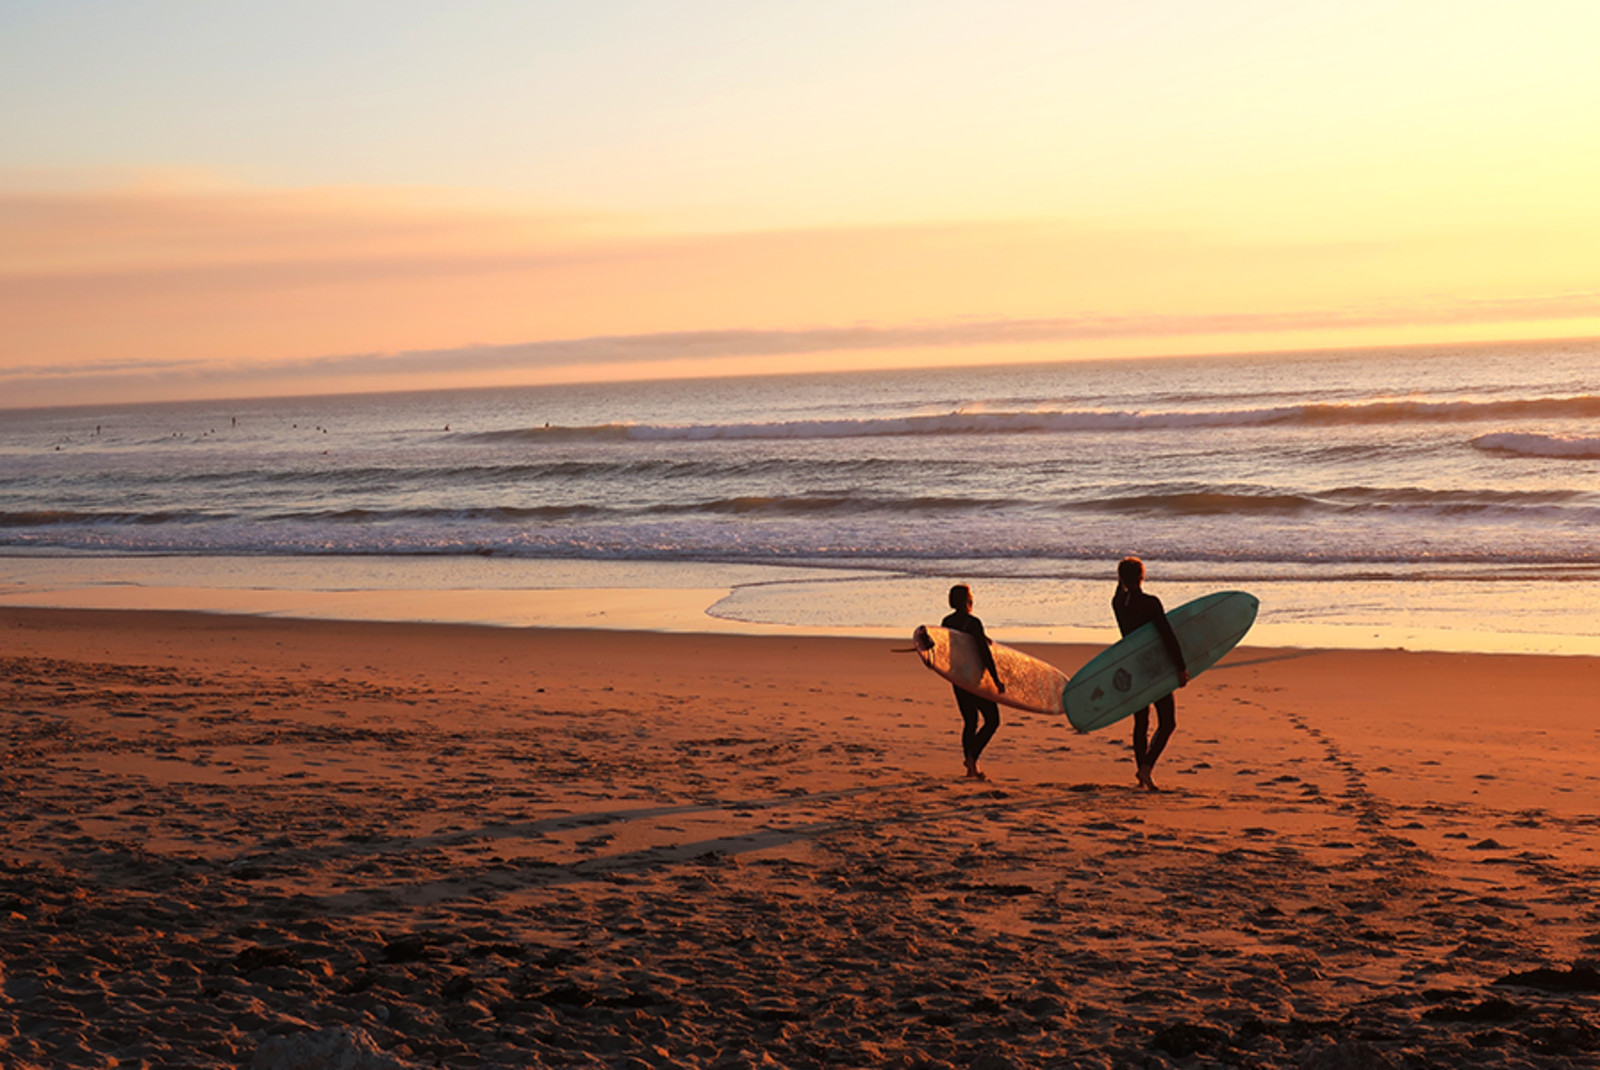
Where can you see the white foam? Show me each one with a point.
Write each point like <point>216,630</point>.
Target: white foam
<point>1528,444</point>
<point>975,420</point>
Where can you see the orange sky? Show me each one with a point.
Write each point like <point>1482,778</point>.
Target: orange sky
<point>746,189</point>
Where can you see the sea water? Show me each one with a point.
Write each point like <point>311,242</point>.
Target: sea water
<point>1444,497</point>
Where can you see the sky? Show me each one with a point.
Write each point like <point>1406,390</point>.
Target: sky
<point>216,199</point>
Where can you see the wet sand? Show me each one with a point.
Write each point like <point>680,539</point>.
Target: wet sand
<point>238,841</point>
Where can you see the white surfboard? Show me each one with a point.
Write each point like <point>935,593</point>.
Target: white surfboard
<point>1031,684</point>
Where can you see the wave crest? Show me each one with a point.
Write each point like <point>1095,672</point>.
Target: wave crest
<point>1067,421</point>
<point>1528,444</point>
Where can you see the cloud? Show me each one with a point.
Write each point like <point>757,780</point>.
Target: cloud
<point>167,225</point>
<point>168,291</point>
<point>525,361</point>
<point>729,344</point>
<point>742,344</point>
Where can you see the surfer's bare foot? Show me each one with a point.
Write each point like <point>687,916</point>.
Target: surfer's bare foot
<point>972,771</point>
<point>1145,780</point>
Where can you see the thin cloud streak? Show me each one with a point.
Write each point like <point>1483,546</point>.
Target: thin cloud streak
<point>727,344</point>
<point>380,371</point>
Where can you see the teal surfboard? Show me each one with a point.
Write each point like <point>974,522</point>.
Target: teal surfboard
<point>1137,669</point>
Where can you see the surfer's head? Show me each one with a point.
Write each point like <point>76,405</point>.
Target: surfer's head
<point>961,597</point>
<point>1130,572</point>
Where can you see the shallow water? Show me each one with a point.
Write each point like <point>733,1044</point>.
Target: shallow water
<point>1439,497</point>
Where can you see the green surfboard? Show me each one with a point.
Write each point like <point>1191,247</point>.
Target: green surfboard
<point>1137,669</point>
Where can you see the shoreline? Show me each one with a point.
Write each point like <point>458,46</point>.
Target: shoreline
<point>745,600</point>
<point>276,843</point>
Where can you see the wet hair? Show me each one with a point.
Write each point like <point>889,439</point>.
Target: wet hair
<point>1130,572</point>
<point>959,596</point>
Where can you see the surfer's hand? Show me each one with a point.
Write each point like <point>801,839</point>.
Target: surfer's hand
<point>1001,687</point>
<point>1183,677</point>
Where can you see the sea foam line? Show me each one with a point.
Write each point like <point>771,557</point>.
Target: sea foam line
<point>1075,420</point>
<point>1527,444</point>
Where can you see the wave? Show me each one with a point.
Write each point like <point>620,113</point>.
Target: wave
<point>53,518</point>
<point>833,504</point>
<point>1527,444</point>
<point>491,517</point>
<point>1156,502</point>
<point>1341,500</point>
<point>58,519</point>
<point>489,514</point>
<point>941,549</point>
<point>1063,421</point>
<point>1203,503</point>
<point>427,473</point>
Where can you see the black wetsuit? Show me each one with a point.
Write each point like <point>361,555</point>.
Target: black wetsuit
<point>1134,609</point>
<point>973,738</point>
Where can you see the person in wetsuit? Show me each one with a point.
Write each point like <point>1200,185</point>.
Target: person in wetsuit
<point>974,738</point>
<point>1134,608</point>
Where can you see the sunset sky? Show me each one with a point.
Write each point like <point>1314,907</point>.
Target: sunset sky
<point>210,200</point>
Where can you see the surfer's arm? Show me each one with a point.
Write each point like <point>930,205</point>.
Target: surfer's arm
<point>1175,648</point>
<point>984,642</point>
<point>994,670</point>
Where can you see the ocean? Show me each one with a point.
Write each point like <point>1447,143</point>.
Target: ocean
<point>1433,498</point>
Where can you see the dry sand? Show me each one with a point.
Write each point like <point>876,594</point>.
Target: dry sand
<point>257,842</point>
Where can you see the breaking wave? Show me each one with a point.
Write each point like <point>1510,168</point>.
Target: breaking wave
<point>1066,421</point>
<point>1526,444</point>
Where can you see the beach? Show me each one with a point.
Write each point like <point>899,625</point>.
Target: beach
<point>251,841</point>
<point>480,486</point>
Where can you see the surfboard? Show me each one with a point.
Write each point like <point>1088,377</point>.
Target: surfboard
<point>1031,684</point>
<point>1136,670</point>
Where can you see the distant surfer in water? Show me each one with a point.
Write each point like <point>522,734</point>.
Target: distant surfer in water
<point>1133,608</point>
<point>974,738</point>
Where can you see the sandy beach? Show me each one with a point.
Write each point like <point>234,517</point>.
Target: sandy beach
<point>244,841</point>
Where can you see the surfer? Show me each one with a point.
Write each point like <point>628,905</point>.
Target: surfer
<point>974,738</point>
<point>1133,608</point>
